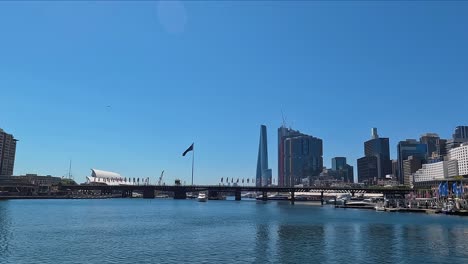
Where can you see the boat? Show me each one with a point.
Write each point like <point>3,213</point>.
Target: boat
<point>202,197</point>
<point>379,208</point>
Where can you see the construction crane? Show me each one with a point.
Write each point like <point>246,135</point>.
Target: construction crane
<point>160,178</point>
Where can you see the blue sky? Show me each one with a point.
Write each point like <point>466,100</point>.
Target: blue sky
<point>212,72</point>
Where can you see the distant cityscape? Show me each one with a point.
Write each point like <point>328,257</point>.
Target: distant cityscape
<point>430,159</point>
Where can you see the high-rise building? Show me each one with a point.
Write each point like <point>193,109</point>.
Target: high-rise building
<point>407,148</point>
<point>283,133</point>
<point>432,140</point>
<point>300,156</point>
<point>459,136</point>
<point>367,170</point>
<point>460,132</point>
<point>342,170</point>
<point>7,153</point>
<point>395,168</point>
<point>338,163</point>
<point>379,148</point>
<point>263,176</point>
<point>410,166</point>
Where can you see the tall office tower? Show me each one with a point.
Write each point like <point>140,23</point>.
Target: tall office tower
<point>459,137</point>
<point>407,148</point>
<point>283,133</point>
<point>460,132</point>
<point>367,170</point>
<point>300,157</point>
<point>342,170</point>
<point>379,148</point>
<point>263,173</point>
<point>395,168</point>
<point>431,140</point>
<point>338,163</point>
<point>410,166</point>
<point>7,153</point>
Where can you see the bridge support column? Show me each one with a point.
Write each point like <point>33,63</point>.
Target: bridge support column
<point>148,193</point>
<point>321,198</point>
<point>180,194</point>
<point>336,197</point>
<point>352,193</point>
<point>238,195</point>
<point>293,199</point>
<point>264,196</point>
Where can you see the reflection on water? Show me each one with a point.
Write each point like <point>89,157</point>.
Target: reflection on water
<point>5,229</point>
<point>168,231</point>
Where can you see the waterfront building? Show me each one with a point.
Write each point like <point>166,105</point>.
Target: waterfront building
<point>436,171</point>
<point>7,153</point>
<point>407,148</point>
<point>379,148</point>
<point>461,155</point>
<point>410,166</point>
<point>301,157</point>
<point>263,176</point>
<point>283,133</point>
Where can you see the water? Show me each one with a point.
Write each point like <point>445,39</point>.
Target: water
<point>186,231</point>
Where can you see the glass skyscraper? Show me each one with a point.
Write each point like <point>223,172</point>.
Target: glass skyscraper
<point>299,156</point>
<point>372,169</point>
<point>407,148</point>
<point>263,177</point>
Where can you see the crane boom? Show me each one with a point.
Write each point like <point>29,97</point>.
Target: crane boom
<point>160,178</point>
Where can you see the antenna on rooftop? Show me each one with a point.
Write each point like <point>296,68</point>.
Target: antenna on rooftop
<point>284,119</point>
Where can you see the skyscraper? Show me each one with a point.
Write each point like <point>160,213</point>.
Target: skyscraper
<point>461,132</point>
<point>338,163</point>
<point>7,153</point>
<point>342,170</point>
<point>407,148</point>
<point>283,133</point>
<point>300,156</point>
<point>380,166</point>
<point>263,176</point>
<point>435,145</point>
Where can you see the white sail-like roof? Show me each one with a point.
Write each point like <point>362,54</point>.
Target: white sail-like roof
<point>104,174</point>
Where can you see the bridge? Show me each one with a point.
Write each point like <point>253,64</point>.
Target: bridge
<point>180,191</point>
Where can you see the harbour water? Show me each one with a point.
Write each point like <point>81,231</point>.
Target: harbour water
<point>186,231</point>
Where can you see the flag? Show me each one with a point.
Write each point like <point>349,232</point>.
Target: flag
<point>232,180</point>
<point>237,180</point>
<point>242,180</point>
<point>248,179</point>
<point>222,179</point>
<point>189,149</point>
<point>227,179</point>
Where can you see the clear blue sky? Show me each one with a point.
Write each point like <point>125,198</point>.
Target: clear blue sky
<point>213,72</point>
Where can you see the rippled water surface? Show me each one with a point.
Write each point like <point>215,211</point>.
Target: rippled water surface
<point>186,231</point>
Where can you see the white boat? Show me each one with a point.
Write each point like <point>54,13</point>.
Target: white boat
<point>202,197</point>
<point>379,208</point>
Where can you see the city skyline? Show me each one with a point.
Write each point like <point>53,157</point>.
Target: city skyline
<point>118,87</point>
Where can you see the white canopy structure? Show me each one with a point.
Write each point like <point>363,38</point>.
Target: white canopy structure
<point>104,174</point>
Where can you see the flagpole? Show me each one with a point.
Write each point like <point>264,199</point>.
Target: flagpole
<point>193,158</point>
